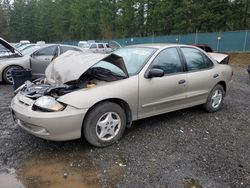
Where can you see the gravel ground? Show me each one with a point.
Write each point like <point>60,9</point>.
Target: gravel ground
<point>186,148</point>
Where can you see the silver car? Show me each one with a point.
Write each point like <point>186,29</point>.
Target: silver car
<point>40,59</point>
<point>98,95</point>
<point>36,58</point>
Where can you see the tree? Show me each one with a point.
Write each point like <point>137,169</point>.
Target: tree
<point>4,32</point>
<point>60,20</point>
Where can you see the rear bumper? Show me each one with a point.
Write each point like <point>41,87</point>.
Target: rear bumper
<point>57,126</point>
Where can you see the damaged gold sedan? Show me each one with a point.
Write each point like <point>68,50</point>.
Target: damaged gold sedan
<point>98,95</point>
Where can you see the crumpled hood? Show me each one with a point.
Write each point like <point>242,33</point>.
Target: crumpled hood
<point>71,65</point>
<point>218,57</point>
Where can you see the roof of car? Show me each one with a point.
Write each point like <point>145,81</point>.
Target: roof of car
<point>201,45</point>
<point>52,44</point>
<point>156,45</point>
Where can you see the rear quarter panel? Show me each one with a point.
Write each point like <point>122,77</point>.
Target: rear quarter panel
<point>226,74</point>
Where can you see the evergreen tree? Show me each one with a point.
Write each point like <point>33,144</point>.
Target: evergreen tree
<point>60,20</point>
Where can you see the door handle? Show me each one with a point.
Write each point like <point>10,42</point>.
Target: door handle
<point>216,75</point>
<point>182,81</point>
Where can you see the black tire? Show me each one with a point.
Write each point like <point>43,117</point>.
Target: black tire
<point>6,72</point>
<point>208,105</point>
<point>90,123</point>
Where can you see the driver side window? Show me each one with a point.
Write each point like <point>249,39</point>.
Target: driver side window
<point>48,51</point>
<point>169,61</point>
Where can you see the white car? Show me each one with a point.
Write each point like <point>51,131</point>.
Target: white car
<point>100,47</point>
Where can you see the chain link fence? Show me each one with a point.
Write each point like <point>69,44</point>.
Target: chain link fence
<point>233,41</point>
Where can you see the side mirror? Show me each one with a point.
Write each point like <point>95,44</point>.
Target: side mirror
<point>154,73</point>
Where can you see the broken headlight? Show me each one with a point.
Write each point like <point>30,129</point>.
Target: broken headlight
<point>48,104</point>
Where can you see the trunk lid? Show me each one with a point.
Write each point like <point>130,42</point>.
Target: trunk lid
<point>218,56</point>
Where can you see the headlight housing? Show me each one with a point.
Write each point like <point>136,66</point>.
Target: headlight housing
<point>48,104</point>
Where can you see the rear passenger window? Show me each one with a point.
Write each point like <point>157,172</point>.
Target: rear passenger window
<point>208,61</point>
<point>195,59</point>
<point>169,61</point>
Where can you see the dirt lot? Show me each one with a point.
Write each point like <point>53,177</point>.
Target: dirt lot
<point>241,59</point>
<point>187,148</point>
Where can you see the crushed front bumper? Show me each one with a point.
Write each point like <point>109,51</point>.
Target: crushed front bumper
<point>57,126</point>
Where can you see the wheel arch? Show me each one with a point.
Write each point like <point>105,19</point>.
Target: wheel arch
<point>123,104</point>
<point>223,84</point>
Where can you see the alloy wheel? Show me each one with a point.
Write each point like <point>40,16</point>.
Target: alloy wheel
<point>108,126</point>
<point>217,98</point>
<point>8,75</point>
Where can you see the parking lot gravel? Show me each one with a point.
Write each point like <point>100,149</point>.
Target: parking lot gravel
<point>186,148</point>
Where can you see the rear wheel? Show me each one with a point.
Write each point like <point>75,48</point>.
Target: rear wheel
<point>7,78</point>
<point>215,99</point>
<point>104,124</point>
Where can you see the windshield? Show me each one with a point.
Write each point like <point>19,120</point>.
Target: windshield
<point>109,68</point>
<point>134,58</point>
<point>25,47</point>
<point>5,52</point>
<point>3,49</point>
<point>30,50</point>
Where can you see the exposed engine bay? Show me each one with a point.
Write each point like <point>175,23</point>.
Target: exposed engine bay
<point>91,78</point>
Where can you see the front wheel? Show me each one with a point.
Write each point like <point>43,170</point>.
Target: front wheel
<point>215,99</point>
<point>104,124</point>
<point>7,77</point>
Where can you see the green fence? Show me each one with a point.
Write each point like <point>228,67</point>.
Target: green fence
<point>233,41</point>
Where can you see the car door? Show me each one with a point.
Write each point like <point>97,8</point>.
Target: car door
<point>163,94</point>
<point>201,75</point>
<point>40,59</point>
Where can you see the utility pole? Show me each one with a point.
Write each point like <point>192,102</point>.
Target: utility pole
<point>245,42</point>
<point>196,37</point>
